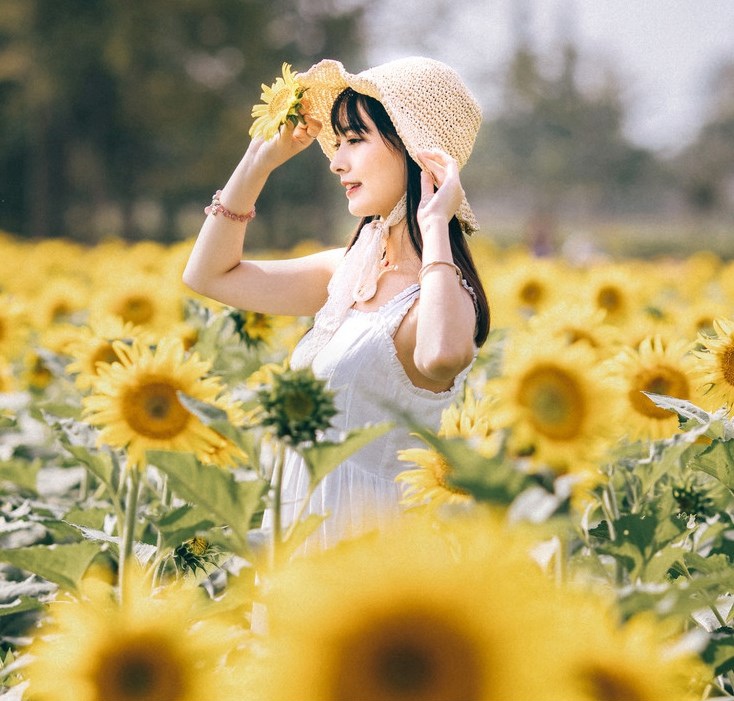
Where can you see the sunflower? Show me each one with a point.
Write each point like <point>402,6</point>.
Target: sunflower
<point>296,405</point>
<point>61,300</point>
<point>7,379</point>
<point>441,616</point>
<point>95,344</point>
<point>431,480</point>
<point>619,289</point>
<point>698,316</point>
<point>657,366</point>
<point>37,373</point>
<point>14,326</point>
<point>715,369</point>
<point>579,322</point>
<point>281,103</point>
<point>526,286</point>
<point>140,299</point>
<point>150,647</point>
<point>633,661</point>
<point>560,403</point>
<point>136,404</point>
<point>254,328</point>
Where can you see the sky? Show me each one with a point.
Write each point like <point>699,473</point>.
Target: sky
<point>663,51</point>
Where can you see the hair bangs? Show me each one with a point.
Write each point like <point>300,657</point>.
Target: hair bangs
<point>347,113</point>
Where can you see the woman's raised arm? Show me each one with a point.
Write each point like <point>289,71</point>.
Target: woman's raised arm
<point>215,269</point>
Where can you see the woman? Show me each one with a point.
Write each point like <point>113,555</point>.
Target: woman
<point>400,313</point>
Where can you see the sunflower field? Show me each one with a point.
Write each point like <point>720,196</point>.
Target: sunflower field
<point>568,533</point>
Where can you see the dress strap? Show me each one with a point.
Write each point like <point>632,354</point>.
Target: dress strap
<point>395,310</point>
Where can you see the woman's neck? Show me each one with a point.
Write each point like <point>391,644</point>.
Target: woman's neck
<point>399,252</point>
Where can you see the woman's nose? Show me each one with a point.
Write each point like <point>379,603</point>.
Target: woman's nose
<point>337,164</point>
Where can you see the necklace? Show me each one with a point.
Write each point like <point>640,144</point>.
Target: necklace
<point>385,267</point>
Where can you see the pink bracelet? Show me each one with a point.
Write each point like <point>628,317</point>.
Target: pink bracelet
<point>216,207</point>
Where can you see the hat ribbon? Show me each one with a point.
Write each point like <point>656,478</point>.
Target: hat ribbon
<point>354,280</point>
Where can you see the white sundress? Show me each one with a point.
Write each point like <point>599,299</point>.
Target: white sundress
<point>360,364</point>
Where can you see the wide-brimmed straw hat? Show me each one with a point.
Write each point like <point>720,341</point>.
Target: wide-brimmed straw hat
<point>426,100</point>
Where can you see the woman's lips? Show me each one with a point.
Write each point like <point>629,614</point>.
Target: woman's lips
<point>351,188</point>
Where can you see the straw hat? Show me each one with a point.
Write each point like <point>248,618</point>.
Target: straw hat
<point>426,100</point>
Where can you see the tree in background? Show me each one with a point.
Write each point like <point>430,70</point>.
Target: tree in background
<point>706,168</point>
<point>121,118</point>
<point>556,147</point>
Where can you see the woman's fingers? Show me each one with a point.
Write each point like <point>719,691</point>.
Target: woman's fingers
<point>438,163</point>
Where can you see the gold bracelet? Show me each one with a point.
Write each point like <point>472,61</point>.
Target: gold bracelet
<point>427,266</point>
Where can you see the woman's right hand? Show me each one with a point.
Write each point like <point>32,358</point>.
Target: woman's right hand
<point>288,142</point>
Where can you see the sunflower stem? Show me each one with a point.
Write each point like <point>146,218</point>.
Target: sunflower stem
<point>160,560</point>
<point>128,530</point>
<point>278,499</point>
<point>311,489</point>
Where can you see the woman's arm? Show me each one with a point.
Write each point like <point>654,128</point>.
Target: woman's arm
<point>292,287</point>
<point>444,338</point>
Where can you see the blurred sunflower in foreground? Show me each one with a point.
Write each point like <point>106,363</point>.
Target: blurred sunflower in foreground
<point>147,647</point>
<point>448,614</point>
<point>136,405</point>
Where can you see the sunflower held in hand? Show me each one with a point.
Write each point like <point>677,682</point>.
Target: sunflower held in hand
<point>281,103</point>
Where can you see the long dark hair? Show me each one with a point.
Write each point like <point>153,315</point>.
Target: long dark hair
<point>347,116</point>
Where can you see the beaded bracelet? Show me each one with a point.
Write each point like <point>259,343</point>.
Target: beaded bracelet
<point>216,207</point>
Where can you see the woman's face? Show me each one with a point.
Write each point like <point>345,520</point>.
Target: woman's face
<point>372,172</point>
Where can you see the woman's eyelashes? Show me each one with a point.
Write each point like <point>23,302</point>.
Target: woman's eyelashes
<point>352,139</point>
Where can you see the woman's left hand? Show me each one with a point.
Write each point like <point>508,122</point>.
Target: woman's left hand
<point>441,191</point>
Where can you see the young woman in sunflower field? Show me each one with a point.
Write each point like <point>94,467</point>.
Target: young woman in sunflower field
<point>400,313</point>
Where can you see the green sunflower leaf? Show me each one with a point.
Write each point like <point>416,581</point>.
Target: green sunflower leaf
<point>20,605</point>
<point>183,523</point>
<point>62,564</point>
<point>214,490</point>
<point>718,461</point>
<point>719,652</point>
<point>21,473</point>
<point>321,458</point>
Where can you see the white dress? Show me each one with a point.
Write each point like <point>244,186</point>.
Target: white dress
<point>360,364</point>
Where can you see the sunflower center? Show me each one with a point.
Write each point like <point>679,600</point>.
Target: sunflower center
<point>531,293</point>
<point>705,324</point>
<point>727,364</point>
<point>609,298</point>
<point>606,685</point>
<point>280,102</point>
<point>137,309</point>
<point>60,310</point>
<point>105,353</point>
<point>298,406</point>
<point>140,668</point>
<point>554,401</point>
<point>152,410</point>
<point>442,471</point>
<point>408,657</point>
<point>576,335</point>
<point>658,380</point>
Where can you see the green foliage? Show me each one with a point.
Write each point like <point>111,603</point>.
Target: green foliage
<point>150,109</point>
<point>228,501</point>
<point>62,564</point>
